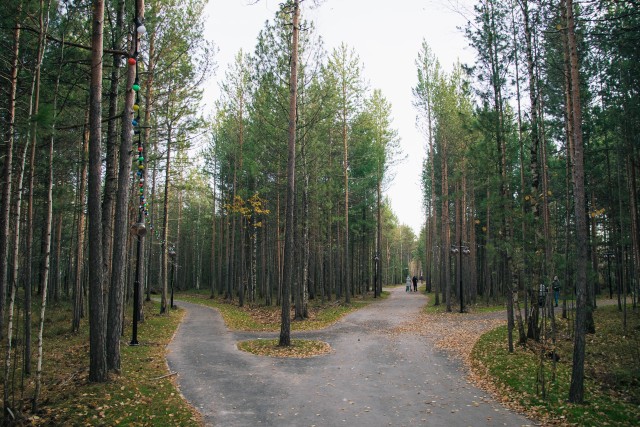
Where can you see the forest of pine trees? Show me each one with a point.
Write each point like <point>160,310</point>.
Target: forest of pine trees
<point>113,176</point>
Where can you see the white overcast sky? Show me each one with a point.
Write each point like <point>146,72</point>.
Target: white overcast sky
<point>386,35</point>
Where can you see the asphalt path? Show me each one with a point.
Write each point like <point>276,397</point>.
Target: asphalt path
<point>373,377</point>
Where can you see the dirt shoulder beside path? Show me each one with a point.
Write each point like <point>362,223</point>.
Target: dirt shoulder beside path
<point>380,372</point>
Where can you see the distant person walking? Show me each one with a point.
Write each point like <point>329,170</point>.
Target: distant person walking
<point>408,287</point>
<point>415,284</point>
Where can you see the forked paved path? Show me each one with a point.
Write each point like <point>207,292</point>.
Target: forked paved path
<point>374,377</point>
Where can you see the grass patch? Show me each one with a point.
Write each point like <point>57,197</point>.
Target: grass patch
<point>298,348</point>
<point>255,317</point>
<point>612,376</point>
<point>141,395</point>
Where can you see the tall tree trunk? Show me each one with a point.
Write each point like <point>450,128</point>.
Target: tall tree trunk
<point>34,108</point>
<point>569,161</point>
<point>46,238</point>
<point>303,311</point>
<point>505,224</point>
<point>446,229</point>
<point>55,270</point>
<point>157,280</point>
<point>633,201</point>
<point>254,258</point>
<point>241,269</point>
<point>7,360</point>
<point>378,254</point>
<point>345,165</point>
<point>473,251</point>
<point>432,212</point>
<point>165,226</point>
<point>227,261</point>
<point>433,219</point>
<point>523,271</point>
<point>302,291</point>
<point>80,229</point>
<point>110,182</point>
<point>13,283</point>
<point>4,212</point>
<point>265,283</point>
<point>241,266</point>
<point>289,245</point>
<point>8,167</point>
<point>176,246</point>
<point>148,106</point>
<point>121,218</point>
<point>212,267</point>
<point>221,253</point>
<point>576,390</point>
<point>544,169</point>
<point>534,165</point>
<point>458,243</point>
<point>17,209</point>
<point>231,258</point>
<point>97,329</point>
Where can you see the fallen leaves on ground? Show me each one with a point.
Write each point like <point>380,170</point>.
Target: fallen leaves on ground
<point>456,333</point>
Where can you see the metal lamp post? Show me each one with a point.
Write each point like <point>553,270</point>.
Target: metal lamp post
<point>376,292</point>
<point>460,250</point>
<point>139,230</point>
<point>172,255</point>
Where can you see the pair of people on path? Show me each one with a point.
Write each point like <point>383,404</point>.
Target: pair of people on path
<point>409,281</point>
<point>542,292</point>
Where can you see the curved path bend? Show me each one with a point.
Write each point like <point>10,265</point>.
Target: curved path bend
<point>373,377</point>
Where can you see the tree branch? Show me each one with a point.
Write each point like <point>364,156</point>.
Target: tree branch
<point>78,45</point>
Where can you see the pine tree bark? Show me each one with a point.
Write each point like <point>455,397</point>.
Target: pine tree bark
<point>238,219</point>
<point>148,106</point>
<point>289,245</point>
<point>576,389</point>
<point>8,167</point>
<point>55,269</point>
<point>433,225</point>
<point>120,217</point>
<point>446,229</point>
<point>303,311</point>
<point>111,177</point>
<point>524,242</point>
<point>46,238</point>
<point>13,284</point>
<point>4,213</point>
<point>17,209</point>
<point>378,254</point>
<point>633,201</point>
<point>33,111</point>
<point>345,165</point>
<point>534,166</point>
<point>97,329</point>
<point>80,230</point>
<point>212,261</point>
<point>165,226</point>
